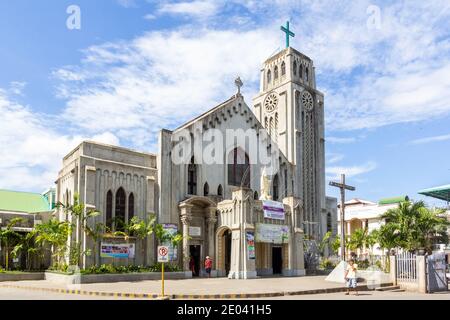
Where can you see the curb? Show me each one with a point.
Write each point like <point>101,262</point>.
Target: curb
<point>191,296</point>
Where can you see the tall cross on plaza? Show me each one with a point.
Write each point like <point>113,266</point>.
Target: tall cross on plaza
<point>288,32</point>
<point>342,186</point>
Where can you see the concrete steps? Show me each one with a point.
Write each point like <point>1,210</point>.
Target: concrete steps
<point>389,288</point>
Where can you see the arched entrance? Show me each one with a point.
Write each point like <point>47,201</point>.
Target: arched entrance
<point>223,251</point>
<point>198,217</point>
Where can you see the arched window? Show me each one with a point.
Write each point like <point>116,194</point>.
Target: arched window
<point>266,123</point>
<point>276,124</point>
<point>285,182</point>
<point>275,186</point>
<point>120,209</point>
<point>307,74</point>
<point>275,73</point>
<point>255,195</point>
<point>294,67</point>
<point>329,223</point>
<point>300,71</point>
<point>269,76</point>
<point>130,206</point>
<point>238,168</point>
<point>220,190</point>
<point>206,189</point>
<point>192,177</point>
<point>109,202</point>
<point>271,126</point>
<point>283,68</point>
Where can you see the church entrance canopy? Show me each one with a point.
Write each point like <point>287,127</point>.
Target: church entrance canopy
<point>442,192</point>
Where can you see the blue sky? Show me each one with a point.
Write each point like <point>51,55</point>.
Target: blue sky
<point>137,66</point>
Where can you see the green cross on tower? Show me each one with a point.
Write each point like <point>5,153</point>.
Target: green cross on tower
<point>288,32</point>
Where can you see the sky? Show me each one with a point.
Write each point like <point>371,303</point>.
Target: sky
<point>136,66</point>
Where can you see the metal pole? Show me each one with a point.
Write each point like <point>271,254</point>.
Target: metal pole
<point>342,217</point>
<point>162,278</point>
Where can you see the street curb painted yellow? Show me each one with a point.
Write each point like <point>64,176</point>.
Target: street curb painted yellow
<point>187,296</point>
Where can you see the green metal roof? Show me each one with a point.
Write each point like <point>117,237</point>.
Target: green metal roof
<point>23,202</point>
<point>393,200</point>
<point>442,192</point>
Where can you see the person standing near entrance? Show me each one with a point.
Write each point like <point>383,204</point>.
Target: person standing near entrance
<point>350,277</point>
<point>208,266</point>
<point>192,265</point>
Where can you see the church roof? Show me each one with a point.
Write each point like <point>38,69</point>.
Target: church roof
<point>27,202</point>
<point>205,114</point>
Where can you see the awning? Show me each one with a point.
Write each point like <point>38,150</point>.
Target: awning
<point>393,200</point>
<point>442,192</point>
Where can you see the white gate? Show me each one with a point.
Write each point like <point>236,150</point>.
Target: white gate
<point>406,268</point>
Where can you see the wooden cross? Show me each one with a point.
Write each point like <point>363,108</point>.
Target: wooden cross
<point>288,32</point>
<point>342,186</point>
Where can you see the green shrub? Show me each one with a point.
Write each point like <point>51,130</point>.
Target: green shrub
<point>363,264</point>
<point>109,269</point>
<point>327,264</point>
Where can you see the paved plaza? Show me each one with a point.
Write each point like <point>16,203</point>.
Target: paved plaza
<point>200,286</point>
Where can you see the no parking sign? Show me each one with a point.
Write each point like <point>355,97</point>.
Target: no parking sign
<point>163,254</point>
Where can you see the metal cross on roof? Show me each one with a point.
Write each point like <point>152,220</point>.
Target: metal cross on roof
<point>288,32</point>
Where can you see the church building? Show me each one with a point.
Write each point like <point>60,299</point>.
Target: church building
<point>244,184</point>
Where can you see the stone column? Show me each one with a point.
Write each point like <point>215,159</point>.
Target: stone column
<point>211,221</point>
<point>186,217</point>
<point>421,273</point>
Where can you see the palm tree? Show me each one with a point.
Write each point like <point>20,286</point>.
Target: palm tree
<point>412,226</point>
<point>9,237</point>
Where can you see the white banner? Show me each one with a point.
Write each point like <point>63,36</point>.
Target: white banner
<point>273,210</point>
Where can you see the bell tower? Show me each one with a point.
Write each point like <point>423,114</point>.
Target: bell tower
<point>292,110</point>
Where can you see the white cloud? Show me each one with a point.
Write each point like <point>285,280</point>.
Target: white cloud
<point>198,8</point>
<point>333,157</point>
<point>440,138</point>
<point>127,3</point>
<point>31,150</point>
<point>160,79</point>
<point>340,140</point>
<point>334,172</point>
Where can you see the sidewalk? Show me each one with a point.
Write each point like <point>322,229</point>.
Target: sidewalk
<point>194,288</point>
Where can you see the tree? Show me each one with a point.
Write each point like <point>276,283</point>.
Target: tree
<point>142,229</point>
<point>54,233</point>
<point>82,217</point>
<point>9,237</point>
<point>412,226</point>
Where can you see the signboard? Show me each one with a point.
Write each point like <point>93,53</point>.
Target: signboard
<point>195,231</point>
<point>163,254</point>
<point>171,229</point>
<point>117,250</point>
<point>273,210</point>
<point>250,245</point>
<point>272,233</point>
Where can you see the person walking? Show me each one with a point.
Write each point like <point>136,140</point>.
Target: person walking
<point>208,266</point>
<point>350,277</point>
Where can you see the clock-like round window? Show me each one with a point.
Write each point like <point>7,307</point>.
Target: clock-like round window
<point>271,102</point>
<point>307,101</point>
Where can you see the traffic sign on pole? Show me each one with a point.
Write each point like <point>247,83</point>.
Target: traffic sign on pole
<point>163,257</point>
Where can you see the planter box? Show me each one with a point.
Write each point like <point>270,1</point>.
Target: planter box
<point>22,276</point>
<point>114,277</point>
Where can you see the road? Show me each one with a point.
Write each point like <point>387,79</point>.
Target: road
<point>21,294</point>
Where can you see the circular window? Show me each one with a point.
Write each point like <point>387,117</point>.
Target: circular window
<point>307,101</point>
<point>271,102</point>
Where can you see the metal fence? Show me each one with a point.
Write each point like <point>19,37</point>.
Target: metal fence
<point>406,267</point>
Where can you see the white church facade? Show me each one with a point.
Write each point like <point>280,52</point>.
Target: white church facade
<point>245,185</point>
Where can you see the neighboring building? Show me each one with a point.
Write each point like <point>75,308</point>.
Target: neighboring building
<point>363,214</point>
<point>441,193</point>
<point>219,206</point>
<point>32,208</point>
<point>118,182</point>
